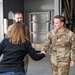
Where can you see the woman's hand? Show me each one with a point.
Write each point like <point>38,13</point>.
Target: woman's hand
<point>43,52</point>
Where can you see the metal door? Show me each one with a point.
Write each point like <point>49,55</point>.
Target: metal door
<point>39,24</point>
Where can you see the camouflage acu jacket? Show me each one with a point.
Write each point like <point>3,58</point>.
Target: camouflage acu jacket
<point>61,43</point>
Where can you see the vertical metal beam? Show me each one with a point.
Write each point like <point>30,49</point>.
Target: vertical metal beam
<point>57,7</point>
<point>60,7</point>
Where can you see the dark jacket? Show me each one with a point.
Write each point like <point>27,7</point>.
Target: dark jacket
<point>13,55</point>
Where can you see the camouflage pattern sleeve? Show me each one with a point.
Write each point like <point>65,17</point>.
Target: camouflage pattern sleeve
<point>26,62</point>
<point>47,43</point>
<point>9,27</point>
<point>73,46</point>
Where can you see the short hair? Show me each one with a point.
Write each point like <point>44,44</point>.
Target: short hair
<point>62,18</point>
<point>17,13</point>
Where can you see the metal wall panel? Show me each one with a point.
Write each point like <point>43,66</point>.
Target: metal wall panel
<point>39,24</point>
<point>40,27</point>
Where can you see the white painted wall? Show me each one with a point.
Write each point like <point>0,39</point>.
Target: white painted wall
<point>1,0</point>
<point>1,21</point>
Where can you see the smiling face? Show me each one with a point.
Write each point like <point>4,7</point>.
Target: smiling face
<point>58,24</point>
<point>18,18</point>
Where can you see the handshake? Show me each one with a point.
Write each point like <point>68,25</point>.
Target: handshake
<point>43,52</point>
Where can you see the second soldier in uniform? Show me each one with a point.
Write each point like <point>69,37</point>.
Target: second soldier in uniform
<point>18,17</point>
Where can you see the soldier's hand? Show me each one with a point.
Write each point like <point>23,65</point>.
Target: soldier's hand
<point>71,63</point>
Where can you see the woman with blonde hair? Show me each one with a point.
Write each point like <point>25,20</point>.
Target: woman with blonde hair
<point>14,48</point>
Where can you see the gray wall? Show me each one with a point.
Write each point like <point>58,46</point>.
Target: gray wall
<point>38,5</point>
<point>13,5</point>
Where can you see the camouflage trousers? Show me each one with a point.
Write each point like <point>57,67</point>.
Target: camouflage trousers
<point>26,62</point>
<point>60,68</point>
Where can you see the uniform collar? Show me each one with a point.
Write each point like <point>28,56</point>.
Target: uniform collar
<point>65,31</point>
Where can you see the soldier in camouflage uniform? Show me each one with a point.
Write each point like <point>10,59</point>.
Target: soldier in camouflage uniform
<point>62,41</point>
<point>19,17</point>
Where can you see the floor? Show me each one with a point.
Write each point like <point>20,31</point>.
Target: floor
<point>43,67</point>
